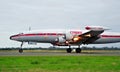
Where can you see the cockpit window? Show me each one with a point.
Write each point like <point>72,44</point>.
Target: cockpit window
<point>20,33</point>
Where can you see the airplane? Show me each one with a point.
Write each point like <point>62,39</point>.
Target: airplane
<point>71,37</point>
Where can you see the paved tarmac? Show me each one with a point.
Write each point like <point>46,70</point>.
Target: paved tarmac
<point>61,53</point>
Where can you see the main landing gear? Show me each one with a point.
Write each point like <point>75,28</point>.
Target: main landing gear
<point>21,50</point>
<point>69,50</point>
<point>78,50</point>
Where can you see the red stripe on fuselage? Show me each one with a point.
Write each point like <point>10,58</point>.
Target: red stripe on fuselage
<point>39,34</point>
<point>42,34</point>
<point>110,36</point>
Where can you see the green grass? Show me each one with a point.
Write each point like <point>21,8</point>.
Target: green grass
<point>60,64</point>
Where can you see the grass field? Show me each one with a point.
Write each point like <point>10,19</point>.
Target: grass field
<point>60,64</point>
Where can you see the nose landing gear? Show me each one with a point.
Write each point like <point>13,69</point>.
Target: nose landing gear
<point>21,50</point>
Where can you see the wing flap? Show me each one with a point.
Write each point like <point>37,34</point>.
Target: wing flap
<point>92,33</point>
<point>89,36</point>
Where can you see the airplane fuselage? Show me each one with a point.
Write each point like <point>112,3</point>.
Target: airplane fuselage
<point>50,36</point>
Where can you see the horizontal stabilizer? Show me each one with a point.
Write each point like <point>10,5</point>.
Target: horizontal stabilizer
<point>96,28</point>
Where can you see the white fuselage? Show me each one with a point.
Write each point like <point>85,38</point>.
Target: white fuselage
<point>50,36</point>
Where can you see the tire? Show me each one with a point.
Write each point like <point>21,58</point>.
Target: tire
<point>69,50</point>
<point>20,50</point>
<point>78,50</point>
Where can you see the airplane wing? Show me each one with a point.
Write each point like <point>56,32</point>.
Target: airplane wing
<point>88,37</point>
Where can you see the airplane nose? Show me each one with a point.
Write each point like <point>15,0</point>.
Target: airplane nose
<point>15,37</point>
<point>11,37</point>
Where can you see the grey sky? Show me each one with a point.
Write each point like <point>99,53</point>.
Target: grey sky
<point>18,15</point>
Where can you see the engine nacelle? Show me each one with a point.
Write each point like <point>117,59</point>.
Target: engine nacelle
<point>68,36</point>
<point>96,28</point>
<point>60,40</point>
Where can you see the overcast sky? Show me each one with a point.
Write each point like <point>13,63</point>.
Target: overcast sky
<point>18,15</point>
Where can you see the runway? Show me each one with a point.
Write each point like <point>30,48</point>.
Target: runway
<point>61,53</point>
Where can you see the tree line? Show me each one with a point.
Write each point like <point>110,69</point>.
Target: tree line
<point>58,48</point>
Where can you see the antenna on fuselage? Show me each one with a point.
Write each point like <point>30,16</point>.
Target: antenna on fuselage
<point>29,28</point>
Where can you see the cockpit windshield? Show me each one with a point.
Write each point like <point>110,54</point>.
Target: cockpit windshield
<point>20,33</point>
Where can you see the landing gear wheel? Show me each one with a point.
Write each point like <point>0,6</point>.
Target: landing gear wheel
<point>69,50</point>
<point>20,50</point>
<point>78,50</point>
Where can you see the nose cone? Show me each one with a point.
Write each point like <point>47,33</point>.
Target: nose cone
<point>11,37</point>
<point>14,37</point>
